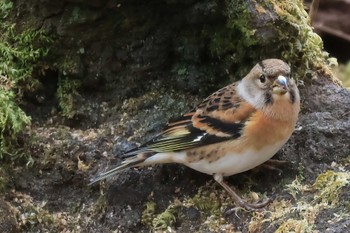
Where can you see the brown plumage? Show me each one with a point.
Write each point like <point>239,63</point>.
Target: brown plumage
<point>233,130</point>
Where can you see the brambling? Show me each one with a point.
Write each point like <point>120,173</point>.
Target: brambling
<point>233,130</point>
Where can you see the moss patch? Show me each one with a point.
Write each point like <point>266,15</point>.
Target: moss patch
<point>67,92</point>
<point>310,201</point>
<point>209,201</point>
<point>282,215</point>
<point>19,56</point>
<point>165,219</point>
<point>261,29</point>
<point>149,214</point>
<point>302,45</point>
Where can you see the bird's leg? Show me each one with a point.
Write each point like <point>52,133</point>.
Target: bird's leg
<point>238,200</point>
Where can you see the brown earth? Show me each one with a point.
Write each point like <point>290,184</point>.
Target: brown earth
<point>137,73</point>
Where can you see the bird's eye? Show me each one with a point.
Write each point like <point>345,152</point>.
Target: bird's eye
<point>262,78</point>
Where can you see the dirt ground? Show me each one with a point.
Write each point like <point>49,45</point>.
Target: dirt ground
<point>52,195</point>
<point>131,87</point>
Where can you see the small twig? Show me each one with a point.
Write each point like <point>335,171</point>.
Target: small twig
<point>332,31</point>
<point>313,10</point>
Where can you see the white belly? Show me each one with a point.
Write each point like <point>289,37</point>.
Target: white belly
<point>230,164</point>
<point>234,163</point>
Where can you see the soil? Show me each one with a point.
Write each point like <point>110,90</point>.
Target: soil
<point>131,87</point>
<point>53,195</point>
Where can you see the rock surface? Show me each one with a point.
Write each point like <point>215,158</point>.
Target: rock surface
<point>57,184</point>
<point>136,72</point>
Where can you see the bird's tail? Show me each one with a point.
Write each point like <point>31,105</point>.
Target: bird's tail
<point>133,161</point>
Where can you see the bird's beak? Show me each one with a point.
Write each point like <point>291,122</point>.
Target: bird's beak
<point>280,85</point>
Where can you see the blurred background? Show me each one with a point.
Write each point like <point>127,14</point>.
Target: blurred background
<point>331,20</point>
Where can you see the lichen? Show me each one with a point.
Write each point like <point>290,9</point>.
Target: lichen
<point>328,185</point>
<point>303,46</point>
<point>258,30</point>
<point>298,215</point>
<point>310,201</point>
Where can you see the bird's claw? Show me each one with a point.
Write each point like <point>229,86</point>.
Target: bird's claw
<point>249,206</point>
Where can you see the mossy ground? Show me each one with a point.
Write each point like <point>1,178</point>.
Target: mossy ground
<point>282,215</point>
<point>252,31</point>
<point>115,84</point>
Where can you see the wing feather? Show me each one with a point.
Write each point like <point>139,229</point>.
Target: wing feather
<point>221,116</point>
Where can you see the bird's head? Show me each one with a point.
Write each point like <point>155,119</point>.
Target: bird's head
<point>269,81</point>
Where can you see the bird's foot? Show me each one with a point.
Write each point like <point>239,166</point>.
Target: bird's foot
<point>254,206</point>
<point>238,200</point>
<point>248,206</point>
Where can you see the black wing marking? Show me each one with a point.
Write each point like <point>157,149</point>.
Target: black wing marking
<point>200,127</point>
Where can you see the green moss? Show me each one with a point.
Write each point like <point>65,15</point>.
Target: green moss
<point>328,186</point>
<point>159,221</point>
<point>292,225</point>
<point>12,121</point>
<point>19,56</point>
<point>207,201</point>
<point>303,47</point>
<point>66,93</point>
<point>165,219</point>
<point>149,214</point>
<point>232,43</point>
<point>257,30</point>
<point>34,217</point>
<point>211,202</point>
<point>310,201</point>
<point>298,215</point>
<point>240,18</point>
<point>70,64</point>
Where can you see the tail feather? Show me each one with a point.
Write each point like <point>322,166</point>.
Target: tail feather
<point>128,162</point>
<point>136,151</point>
<point>125,164</point>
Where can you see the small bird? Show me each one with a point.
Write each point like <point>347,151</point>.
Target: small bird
<point>233,130</point>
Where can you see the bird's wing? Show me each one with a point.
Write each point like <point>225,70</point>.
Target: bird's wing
<point>220,117</point>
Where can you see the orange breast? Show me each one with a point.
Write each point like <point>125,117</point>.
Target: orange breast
<point>262,130</point>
